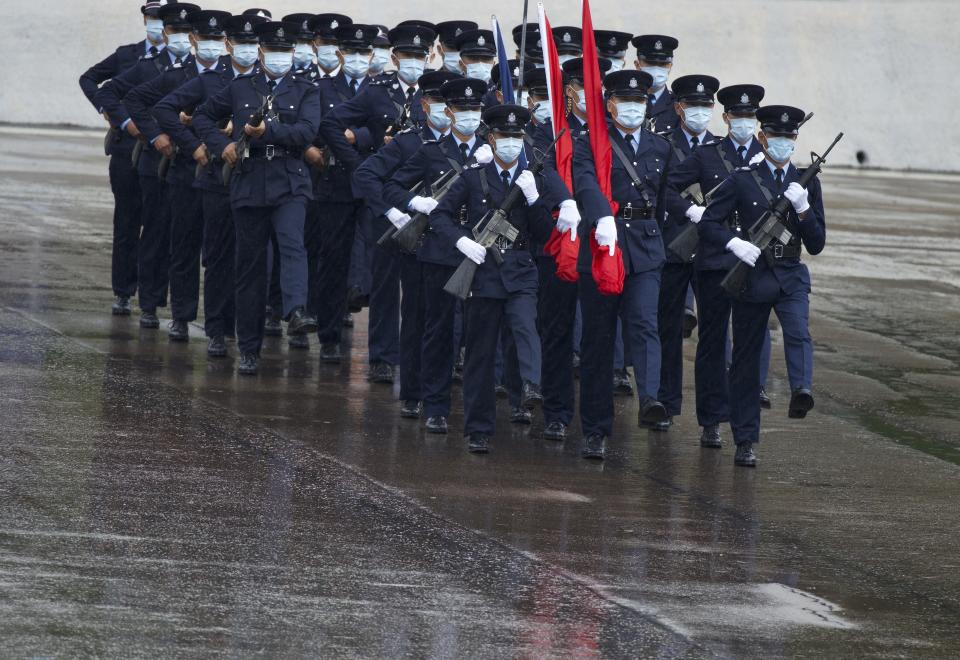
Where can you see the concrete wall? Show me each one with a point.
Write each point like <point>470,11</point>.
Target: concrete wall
<point>878,70</point>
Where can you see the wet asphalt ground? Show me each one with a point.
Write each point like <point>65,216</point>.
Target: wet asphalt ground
<point>154,504</point>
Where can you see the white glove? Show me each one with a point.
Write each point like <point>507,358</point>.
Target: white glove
<point>483,154</point>
<point>695,213</point>
<point>528,184</point>
<point>569,218</point>
<point>746,252</point>
<point>797,195</point>
<point>472,250</point>
<point>757,158</point>
<point>423,205</point>
<point>398,218</point>
<point>607,233</point>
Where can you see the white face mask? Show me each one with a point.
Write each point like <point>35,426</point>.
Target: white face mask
<point>209,51</point>
<point>438,116</point>
<point>743,128</point>
<point>582,100</point>
<point>327,57</point>
<point>480,71</point>
<point>410,70</point>
<point>244,55</point>
<point>542,112</point>
<point>697,118</point>
<point>508,149</point>
<point>466,121</point>
<point>154,30</point>
<point>631,114</point>
<point>451,61</point>
<point>278,63</point>
<point>780,148</point>
<point>303,56</point>
<point>659,74</point>
<point>356,65</point>
<point>380,58</point>
<point>179,44</point>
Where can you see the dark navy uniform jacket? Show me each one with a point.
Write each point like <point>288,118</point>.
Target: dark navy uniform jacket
<point>291,126</point>
<point>743,195</point>
<point>375,108</point>
<point>640,238</point>
<point>370,178</point>
<point>709,165</point>
<point>142,99</point>
<point>112,66</point>
<point>333,183</point>
<point>112,94</point>
<point>673,222</point>
<point>187,98</point>
<point>429,163</point>
<point>519,273</point>
<point>661,115</point>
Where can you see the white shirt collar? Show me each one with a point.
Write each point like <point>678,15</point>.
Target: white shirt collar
<point>701,138</point>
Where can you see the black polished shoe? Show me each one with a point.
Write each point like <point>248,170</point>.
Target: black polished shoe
<point>330,352</point>
<point>249,364</point>
<point>299,342</point>
<point>689,323</point>
<point>149,320</point>
<point>531,397</point>
<point>381,372</point>
<point>651,413</point>
<point>801,402</point>
<point>662,426</point>
<point>356,300</point>
<point>216,347</point>
<point>710,438</point>
<point>301,323</point>
<point>411,409</point>
<point>121,306</point>
<point>501,391</point>
<point>555,431</point>
<point>594,447</point>
<point>745,456</point>
<point>621,382</point>
<point>764,399</point>
<point>437,425</point>
<point>179,331</point>
<point>520,416</point>
<point>478,443</point>
<point>347,320</point>
<point>271,325</point>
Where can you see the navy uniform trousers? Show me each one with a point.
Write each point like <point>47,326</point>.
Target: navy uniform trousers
<point>557,315</point>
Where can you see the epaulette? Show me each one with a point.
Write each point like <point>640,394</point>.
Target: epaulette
<point>148,56</point>
<point>748,168</point>
<point>661,136</point>
<point>408,130</point>
<point>712,143</point>
<point>175,65</point>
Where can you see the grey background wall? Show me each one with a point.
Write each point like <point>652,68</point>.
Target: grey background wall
<point>882,71</point>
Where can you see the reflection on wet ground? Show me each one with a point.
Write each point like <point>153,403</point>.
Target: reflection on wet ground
<point>153,504</point>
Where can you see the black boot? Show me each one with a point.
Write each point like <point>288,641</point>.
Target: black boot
<point>301,323</point>
<point>555,431</point>
<point>764,399</point>
<point>621,382</point>
<point>179,331</point>
<point>710,438</point>
<point>801,402</point>
<point>299,342</point>
<point>217,347</point>
<point>594,447</point>
<point>330,353</point>
<point>249,364</point>
<point>149,320</point>
<point>381,372</point>
<point>520,416</point>
<point>530,396</point>
<point>437,425</point>
<point>411,409</point>
<point>271,324</point>
<point>478,443</point>
<point>121,306</point>
<point>652,413</point>
<point>745,456</point>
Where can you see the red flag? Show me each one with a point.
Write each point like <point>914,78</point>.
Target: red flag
<point>564,251</point>
<point>608,270</point>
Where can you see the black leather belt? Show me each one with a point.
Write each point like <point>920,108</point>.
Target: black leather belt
<point>780,251</point>
<point>272,151</point>
<point>630,212</point>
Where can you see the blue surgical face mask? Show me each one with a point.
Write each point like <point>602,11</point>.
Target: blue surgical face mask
<point>356,65</point>
<point>466,121</point>
<point>508,149</point>
<point>524,98</point>
<point>438,116</point>
<point>245,55</point>
<point>327,57</point>
<point>615,65</point>
<point>631,114</point>
<point>278,63</point>
<point>303,56</point>
<point>209,51</point>
<point>542,112</point>
<point>659,73</point>
<point>743,128</point>
<point>410,69</point>
<point>155,30</point>
<point>380,58</point>
<point>179,44</point>
<point>480,71</point>
<point>582,100</point>
<point>697,118</point>
<point>451,61</point>
<point>780,148</point>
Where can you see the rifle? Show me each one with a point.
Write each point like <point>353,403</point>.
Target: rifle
<point>165,162</point>
<point>112,136</point>
<point>492,226</point>
<point>243,143</point>
<point>392,231</point>
<point>137,153</point>
<point>401,123</point>
<point>684,246</point>
<point>772,226</point>
<point>198,172</point>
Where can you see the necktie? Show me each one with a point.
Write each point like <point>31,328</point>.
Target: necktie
<point>464,151</point>
<point>177,61</point>
<point>742,152</point>
<point>694,142</point>
<point>633,147</point>
<point>779,176</point>
<point>153,51</point>
<point>410,92</point>
<point>353,86</point>
<point>652,99</point>
<point>505,175</point>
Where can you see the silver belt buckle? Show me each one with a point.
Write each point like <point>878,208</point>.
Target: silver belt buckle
<point>628,211</point>
<point>271,151</point>
<point>778,251</point>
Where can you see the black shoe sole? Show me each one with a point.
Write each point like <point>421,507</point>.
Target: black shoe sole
<point>298,347</point>
<point>654,416</point>
<point>305,329</point>
<point>217,354</point>
<point>532,404</point>
<point>180,339</point>
<point>273,333</point>
<point>556,437</point>
<point>745,464</point>
<point>409,414</point>
<point>247,372</point>
<point>711,445</point>
<point>120,312</point>
<point>149,326</point>
<point>526,421</point>
<point>478,450</point>
<point>800,411</point>
<point>765,405</point>
<point>592,455</point>
<point>436,430</point>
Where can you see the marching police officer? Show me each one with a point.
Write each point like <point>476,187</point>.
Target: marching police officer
<point>385,107</point>
<point>271,184</point>
<point>505,293</point>
<point>569,43</point>
<point>154,245</point>
<point>655,57</point>
<point>612,47</point>
<point>640,165</point>
<point>118,145</point>
<point>447,33</point>
<point>694,94</point>
<point>780,281</point>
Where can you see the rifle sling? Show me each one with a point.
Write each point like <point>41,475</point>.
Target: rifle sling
<point>631,171</point>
